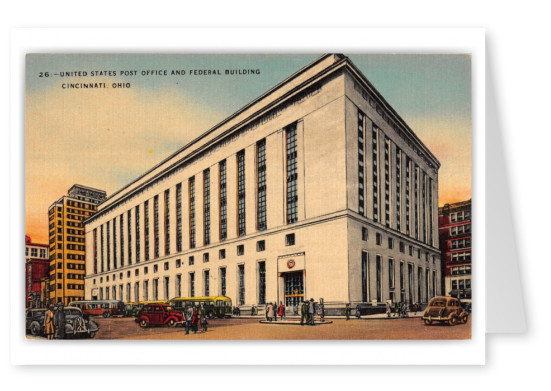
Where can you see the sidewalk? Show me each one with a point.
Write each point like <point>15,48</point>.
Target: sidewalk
<point>292,319</point>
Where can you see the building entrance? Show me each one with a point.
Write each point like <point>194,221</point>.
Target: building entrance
<point>294,288</point>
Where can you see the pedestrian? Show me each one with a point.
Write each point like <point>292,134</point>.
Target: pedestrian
<point>358,313</point>
<point>295,309</point>
<point>388,309</point>
<point>189,316</point>
<point>269,312</point>
<point>322,310</point>
<point>303,313</point>
<point>415,307</point>
<point>274,305</point>
<point>195,320</point>
<point>59,321</point>
<point>252,310</point>
<point>281,310</point>
<point>203,319</point>
<point>49,322</point>
<point>396,309</point>
<point>347,311</point>
<point>311,312</point>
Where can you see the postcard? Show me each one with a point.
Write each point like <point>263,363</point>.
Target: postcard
<point>248,196</point>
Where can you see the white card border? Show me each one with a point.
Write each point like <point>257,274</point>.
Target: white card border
<point>206,40</point>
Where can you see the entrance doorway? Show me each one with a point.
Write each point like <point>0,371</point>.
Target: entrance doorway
<point>294,288</point>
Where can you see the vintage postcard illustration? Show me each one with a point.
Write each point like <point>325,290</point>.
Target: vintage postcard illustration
<point>248,196</point>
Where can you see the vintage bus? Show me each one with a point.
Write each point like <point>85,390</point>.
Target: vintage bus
<point>134,307</point>
<point>105,308</point>
<point>215,306</point>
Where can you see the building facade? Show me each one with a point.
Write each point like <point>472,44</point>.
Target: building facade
<point>317,189</point>
<point>455,244</point>
<point>67,242</point>
<point>37,267</point>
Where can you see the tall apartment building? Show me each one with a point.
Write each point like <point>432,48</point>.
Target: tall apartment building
<point>454,222</point>
<point>316,189</point>
<point>37,267</point>
<point>67,245</point>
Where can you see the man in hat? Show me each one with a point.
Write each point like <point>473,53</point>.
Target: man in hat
<point>311,312</point>
<point>59,321</point>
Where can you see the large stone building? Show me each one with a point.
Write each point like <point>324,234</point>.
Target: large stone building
<point>66,236</point>
<point>455,244</point>
<point>317,188</point>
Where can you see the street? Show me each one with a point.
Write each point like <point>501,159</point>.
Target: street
<point>247,328</point>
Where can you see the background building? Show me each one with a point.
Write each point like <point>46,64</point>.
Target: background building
<point>37,267</point>
<point>454,221</point>
<point>316,189</point>
<point>67,248</point>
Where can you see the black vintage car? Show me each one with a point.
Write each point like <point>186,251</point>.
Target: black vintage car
<point>75,324</point>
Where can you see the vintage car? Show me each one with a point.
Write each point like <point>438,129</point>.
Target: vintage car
<point>445,310</point>
<point>159,315</point>
<point>75,324</point>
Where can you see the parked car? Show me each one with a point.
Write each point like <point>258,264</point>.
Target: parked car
<point>159,315</point>
<point>445,310</point>
<point>75,323</point>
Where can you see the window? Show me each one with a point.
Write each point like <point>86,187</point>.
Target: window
<point>137,272</point>
<point>129,233</point>
<point>222,254</point>
<point>137,214</point>
<point>192,212</point>
<point>206,282</point>
<point>156,289</point>
<point>240,249</point>
<point>364,234</point>
<point>206,207</point>
<point>121,228</point>
<point>402,247</point>
<point>260,245</point>
<point>364,277</point>
<point>146,229</point>
<point>205,258</point>
<point>167,222</point>
<point>191,261</point>
<point>156,226</point>
<point>241,282</point>
<point>391,273</point>
<point>390,243</point>
<point>178,263</point>
<point>292,173</point>
<point>379,239</point>
<point>361,168</point>
<point>178,290</point>
<point>166,266</point>
<point>290,239</point>
<point>179,217</point>
<point>145,270</point>
<point>223,202</point>
<point>223,281</point>
<point>155,268</point>
<point>192,284</point>
<point>108,247</point>
<point>128,276</point>
<point>262,282</point>
<point>374,156</point>
<point>387,182</point>
<point>261,185</point>
<point>166,286</point>
<point>241,229</point>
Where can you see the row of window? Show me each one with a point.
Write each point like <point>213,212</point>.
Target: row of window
<point>460,270</point>
<point>460,216</point>
<point>461,284</point>
<point>35,252</point>
<point>462,243</point>
<point>104,259</point>
<point>460,230</point>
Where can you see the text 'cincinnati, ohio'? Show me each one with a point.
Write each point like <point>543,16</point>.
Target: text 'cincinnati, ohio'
<point>82,86</point>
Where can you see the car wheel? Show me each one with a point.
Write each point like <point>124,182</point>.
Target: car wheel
<point>428,322</point>
<point>211,315</point>
<point>464,318</point>
<point>171,323</point>
<point>143,323</point>
<point>453,321</point>
<point>92,335</point>
<point>35,329</point>
<point>106,314</point>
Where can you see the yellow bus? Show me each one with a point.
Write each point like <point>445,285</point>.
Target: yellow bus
<point>215,306</point>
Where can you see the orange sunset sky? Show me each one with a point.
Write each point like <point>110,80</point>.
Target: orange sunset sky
<point>105,138</point>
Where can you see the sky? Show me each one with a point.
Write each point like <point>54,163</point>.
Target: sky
<point>105,138</point>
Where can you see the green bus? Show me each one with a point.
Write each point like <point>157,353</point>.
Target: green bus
<point>215,306</point>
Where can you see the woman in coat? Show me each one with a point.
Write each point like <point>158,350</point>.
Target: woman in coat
<point>270,311</point>
<point>195,319</point>
<point>281,310</point>
<point>49,322</point>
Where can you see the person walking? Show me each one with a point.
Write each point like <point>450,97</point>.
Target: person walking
<point>195,320</point>
<point>388,309</point>
<point>269,312</point>
<point>59,321</point>
<point>358,313</point>
<point>189,316</point>
<point>49,322</point>
<point>253,310</point>
<point>203,319</point>
<point>303,313</point>
<point>396,309</point>
<point>281,310</point>
<point>311,312</point>
<point>274,305</point>
<point>347,311</point>
<point>322,310</point>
